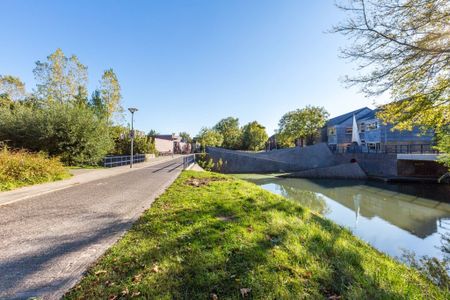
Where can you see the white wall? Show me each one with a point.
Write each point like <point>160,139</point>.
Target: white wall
<point>163,145</point>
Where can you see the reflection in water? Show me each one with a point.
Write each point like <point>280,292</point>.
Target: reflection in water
<point>390,217</point>
<point>357,202</point>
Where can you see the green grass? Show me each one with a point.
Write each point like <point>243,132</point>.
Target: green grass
<point>212,235</point>
<point>21,168</point>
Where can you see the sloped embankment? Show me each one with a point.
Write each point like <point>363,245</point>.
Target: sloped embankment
<point>211,236</point>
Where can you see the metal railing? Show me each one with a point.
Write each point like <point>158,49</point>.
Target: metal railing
<point>411,149</point>
<point>188,160</point>
<point>122,160</point>
<point>391,149</point>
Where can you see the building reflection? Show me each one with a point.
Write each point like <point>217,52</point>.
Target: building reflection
<point>417,215</point>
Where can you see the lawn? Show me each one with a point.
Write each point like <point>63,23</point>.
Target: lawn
<point>212,236</point>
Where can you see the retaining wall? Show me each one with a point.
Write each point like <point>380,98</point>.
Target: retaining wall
<point>373,164</point>
<point>275,161</point>
<point>343,171</point>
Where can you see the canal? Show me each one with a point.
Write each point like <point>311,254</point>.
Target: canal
<point>390,217</point>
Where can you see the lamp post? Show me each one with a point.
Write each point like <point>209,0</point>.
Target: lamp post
<point>132,111</point>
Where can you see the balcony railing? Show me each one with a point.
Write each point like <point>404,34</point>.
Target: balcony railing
<point>394,149</point>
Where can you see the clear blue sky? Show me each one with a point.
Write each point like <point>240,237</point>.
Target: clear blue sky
<point>187,64</point>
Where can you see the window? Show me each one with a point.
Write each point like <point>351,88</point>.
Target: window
<point>348,130</point>
<point>372,126</point>
<point>332,131</point>
<point>362,127</point>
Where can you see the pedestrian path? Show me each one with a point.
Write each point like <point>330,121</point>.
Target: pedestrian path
<point>48,241</point>
<point>80,176</point>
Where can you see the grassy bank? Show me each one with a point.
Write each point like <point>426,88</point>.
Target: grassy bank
<point>21,168</point>
<point>211,236</point>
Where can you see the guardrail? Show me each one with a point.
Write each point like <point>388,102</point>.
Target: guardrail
<point>188,160</point>
<point>122,160</point>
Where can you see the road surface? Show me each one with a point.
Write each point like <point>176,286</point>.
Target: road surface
<point>48,241</point>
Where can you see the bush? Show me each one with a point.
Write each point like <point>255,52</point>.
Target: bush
<point>208,164</point>
<point>72,132</point>
<point>20,168</point>
<point>142,144</point>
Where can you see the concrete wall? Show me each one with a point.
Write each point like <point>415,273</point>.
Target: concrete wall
<point>373,164</point>
<point>420,168</point>
<point>317,161</point>
<point>343,171</point>
<point>283,160</point>
<point>239,163</point>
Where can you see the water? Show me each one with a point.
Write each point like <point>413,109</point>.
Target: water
<point>390,217</point>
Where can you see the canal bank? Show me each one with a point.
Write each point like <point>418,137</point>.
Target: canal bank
<point>392,217</point>
<point>211,236</point>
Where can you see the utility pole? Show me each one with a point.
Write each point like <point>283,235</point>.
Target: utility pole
<point>132,111</point>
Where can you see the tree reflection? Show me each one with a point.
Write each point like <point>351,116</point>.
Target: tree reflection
<point>312,200</point>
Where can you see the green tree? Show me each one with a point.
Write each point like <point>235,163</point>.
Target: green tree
<point>97,104</point>
<point>142,144</point>
<point>301,124</point>
<point>209,137</point>
<point>443,145</point>
<point>403,48</point>
<point>81,98</point>
<point>231,132</point>
<point>12,88</point>
<point>254,136</point>
<point>67,130</point>
<point>60,78</point>
<point>110,93</point>
<point>186,137</point>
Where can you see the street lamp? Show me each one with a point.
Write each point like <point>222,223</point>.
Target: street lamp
<point>132,111</point>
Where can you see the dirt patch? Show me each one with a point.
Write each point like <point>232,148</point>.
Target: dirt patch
<point>198,182</point>
<point>226,218</point>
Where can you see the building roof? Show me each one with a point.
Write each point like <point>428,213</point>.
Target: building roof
<point>342,118</point>
<point>370,115</point>
<point>170,137</point>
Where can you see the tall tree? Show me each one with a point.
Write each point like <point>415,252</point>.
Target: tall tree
<point>60,78</point>
<point>110,93</point>
<point>301,124</point>
<point>231,132</point>
<point>254,136</point>
<point>209,137</point>
<point>403,48</point>
<point>81,98</point>
<point>97,104</point>
<point>186,137</point>
<point>12,88</point>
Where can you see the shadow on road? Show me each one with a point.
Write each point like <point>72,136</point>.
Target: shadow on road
<point>14,273</point>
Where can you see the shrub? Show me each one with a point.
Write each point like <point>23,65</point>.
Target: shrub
<point>20,168</point>
<point>72,132</point>
<point>208,164</point>
<point>142,144</point>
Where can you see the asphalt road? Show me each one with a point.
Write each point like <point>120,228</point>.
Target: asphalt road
<point>48,241</point>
